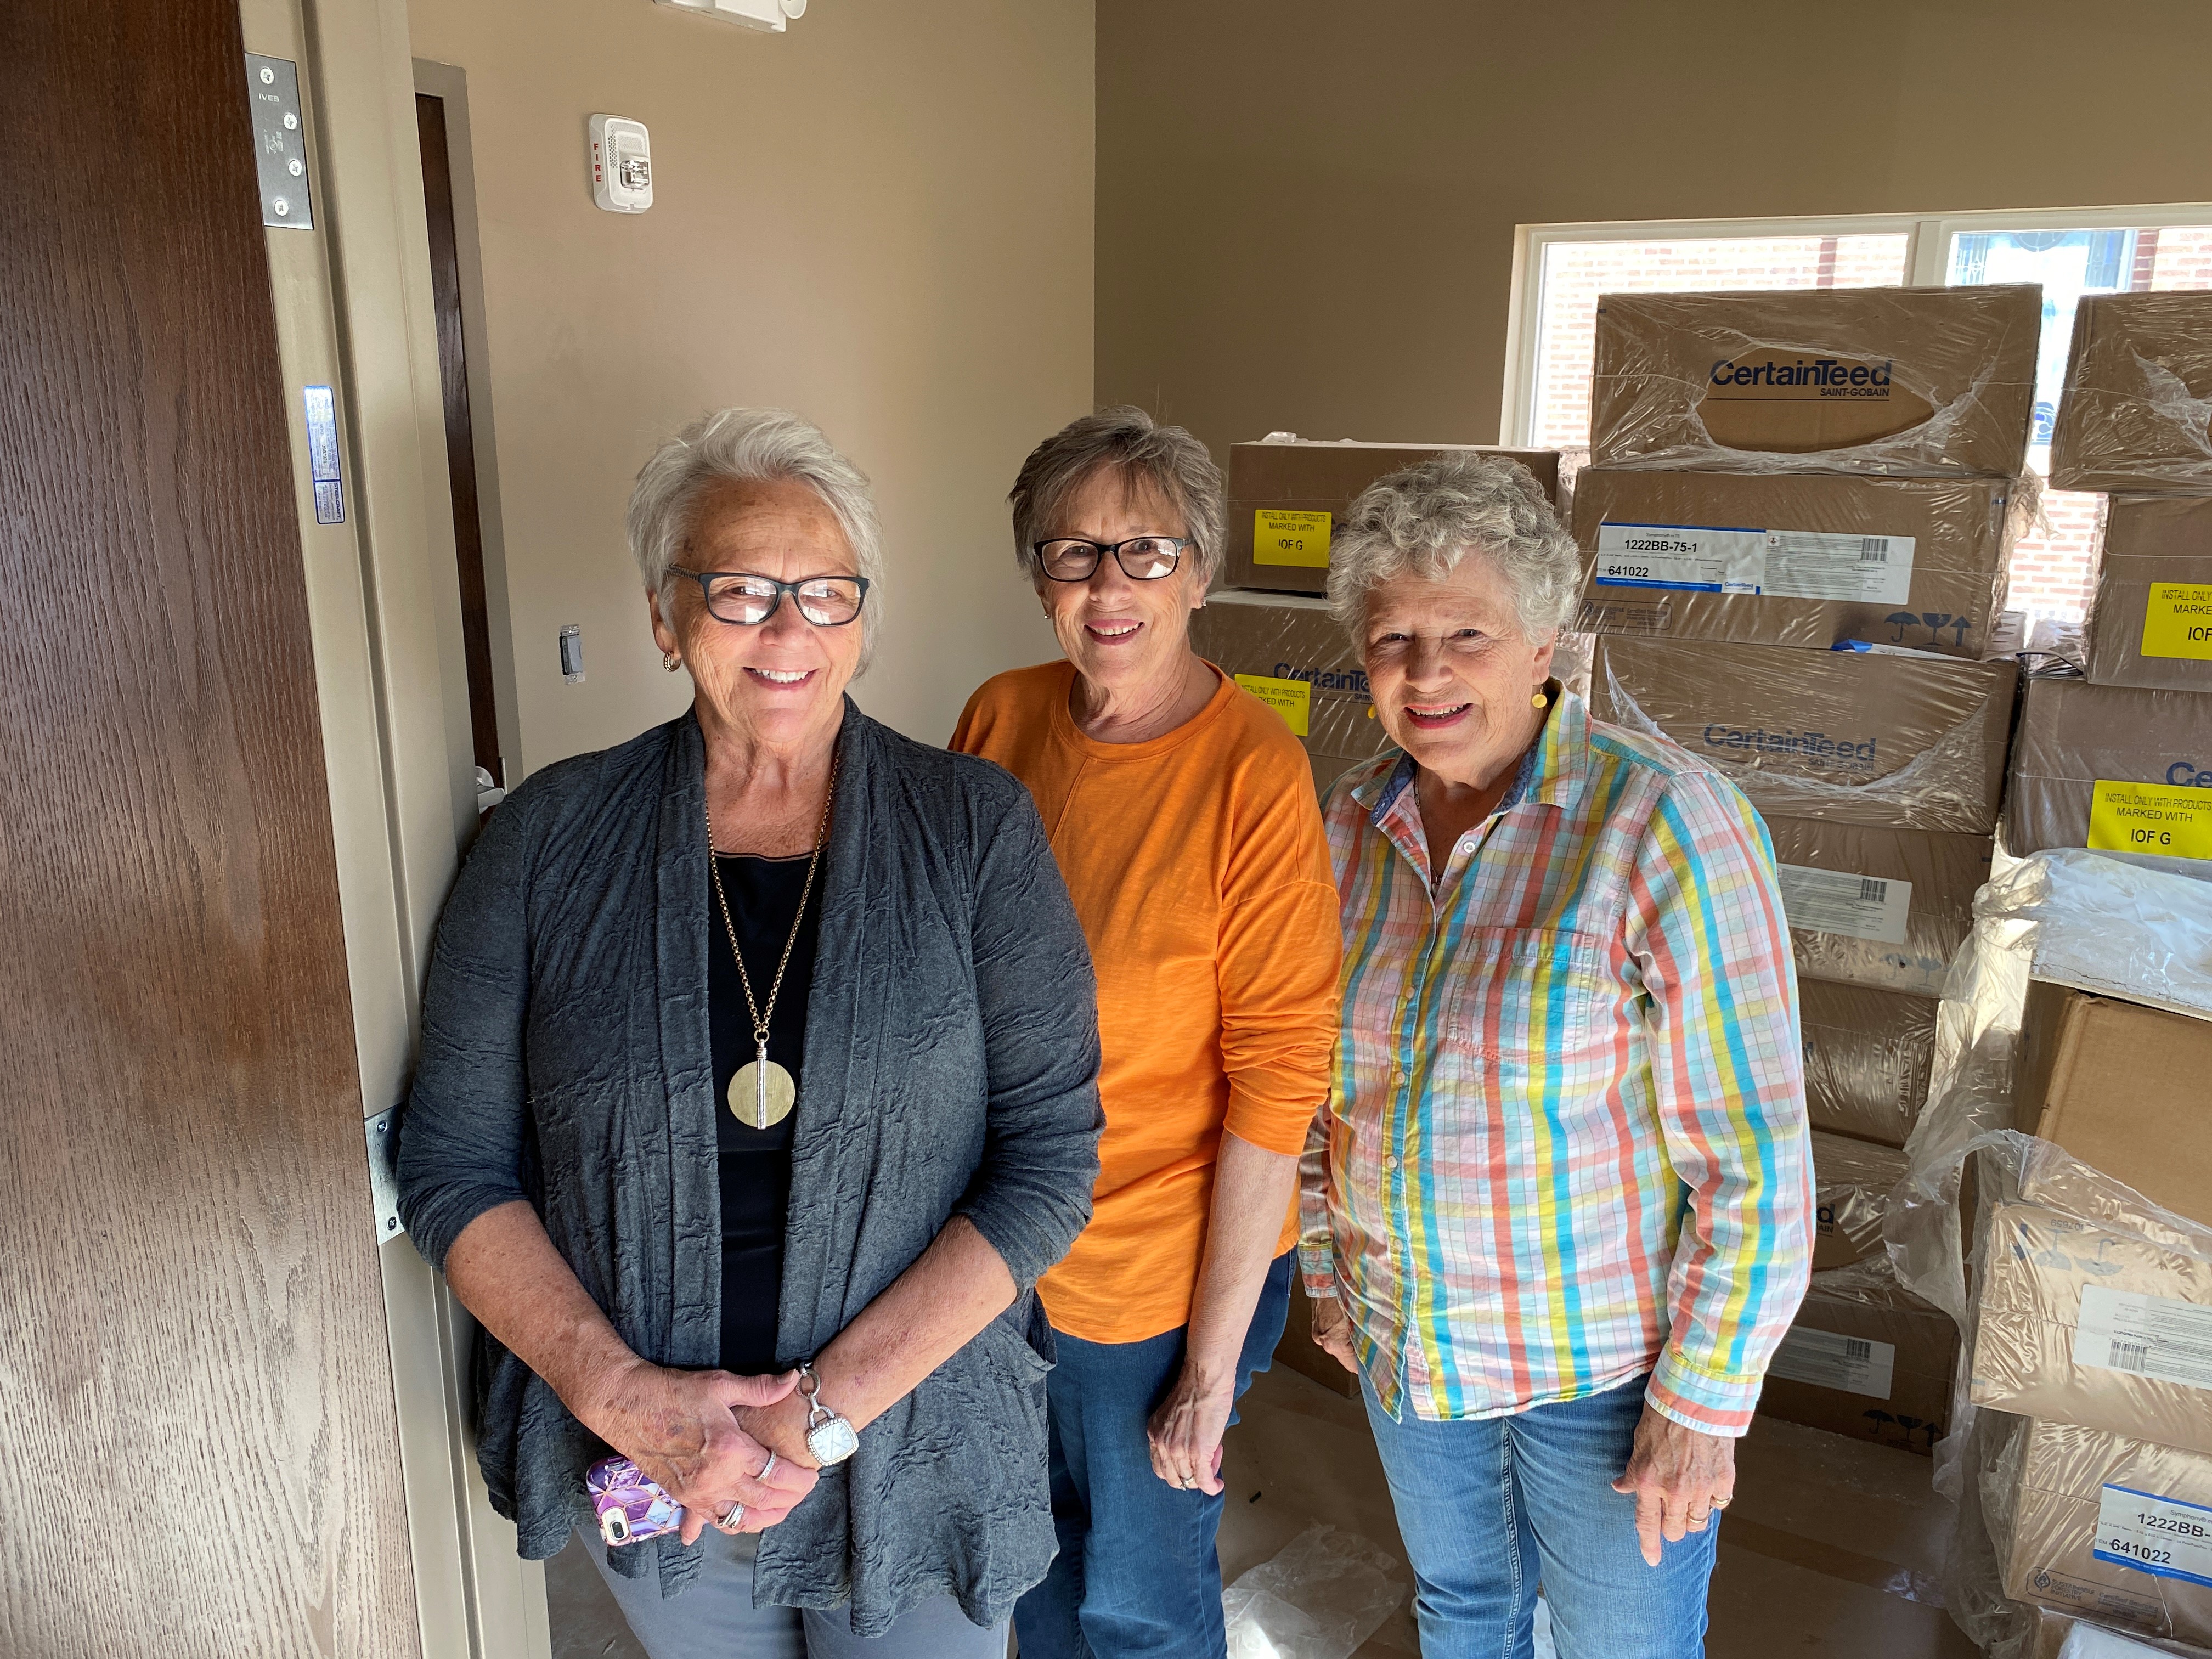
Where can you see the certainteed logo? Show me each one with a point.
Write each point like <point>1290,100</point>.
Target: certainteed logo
<point>1769,373</point>
<point>1323,679</point>
<point>1816,748</point>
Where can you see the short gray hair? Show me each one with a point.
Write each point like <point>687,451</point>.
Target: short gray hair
<point>1423,519</point>
<point>751,446</point>
<point>1127,441</point>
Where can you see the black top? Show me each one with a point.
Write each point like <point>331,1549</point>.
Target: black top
<point>756,1163</point>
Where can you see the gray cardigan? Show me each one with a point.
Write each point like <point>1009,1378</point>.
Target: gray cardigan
<point>952,1069</point>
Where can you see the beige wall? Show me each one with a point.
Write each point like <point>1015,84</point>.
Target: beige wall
<point>1306,208</point>
<point>881,218</point>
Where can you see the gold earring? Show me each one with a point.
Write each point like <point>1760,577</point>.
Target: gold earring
<point>1538,700</point>
<point>669,661</point>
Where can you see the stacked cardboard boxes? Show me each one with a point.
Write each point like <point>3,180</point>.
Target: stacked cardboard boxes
<point>2120,760</point>
<point>1796,528</point>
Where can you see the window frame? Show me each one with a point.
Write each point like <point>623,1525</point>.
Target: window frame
<point>1927,260</point>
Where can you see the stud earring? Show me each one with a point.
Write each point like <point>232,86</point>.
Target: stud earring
<point>670,662</point>
<point>1538,700</point>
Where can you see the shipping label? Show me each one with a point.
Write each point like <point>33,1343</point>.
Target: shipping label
<point>1856,1364</point>
<point>2154,1534</point>
<point>2154,1336</point>
<point>1285,538</point>
<point>1794,564</point>
<point>2150,817</point>
<point>1837,902</point>
<point>2177,621</point>
<point>1292,698</point>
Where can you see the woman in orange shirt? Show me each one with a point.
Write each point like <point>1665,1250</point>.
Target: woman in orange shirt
<point>1183,814</point>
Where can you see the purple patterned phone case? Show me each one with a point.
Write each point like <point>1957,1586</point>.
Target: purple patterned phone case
<point>630,1506</point>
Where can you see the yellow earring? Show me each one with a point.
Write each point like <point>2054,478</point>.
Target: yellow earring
<point>1538,700</point>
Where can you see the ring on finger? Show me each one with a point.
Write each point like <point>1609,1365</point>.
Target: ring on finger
<point>734,1519</point>
<point>1723,1503</point>
<point>768,1468</point>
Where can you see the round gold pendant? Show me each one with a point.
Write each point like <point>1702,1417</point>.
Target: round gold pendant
<point>761,1094</point>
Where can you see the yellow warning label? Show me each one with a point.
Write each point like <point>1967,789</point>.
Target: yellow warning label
<point>1279,537</point>
<point>1292,698</point>
<point>2177,621</point>
<point>2151,818</point>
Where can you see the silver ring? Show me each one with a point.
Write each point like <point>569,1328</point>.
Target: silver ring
<point>734,1519</point>
<point>1722,1503</point>
<point>768,1468</point>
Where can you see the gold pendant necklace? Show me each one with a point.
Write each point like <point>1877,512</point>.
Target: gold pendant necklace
<point>763,1092</point>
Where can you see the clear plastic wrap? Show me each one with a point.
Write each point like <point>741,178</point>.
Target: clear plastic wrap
<point>1287,650</point>
<point>1866,1357</point>
<point>1893,381</point>
<point>2099,1526</point>
<point>1324,1594</point>
<point>1874,906</point>
<point>2112,768</point>
<point>1300,487</point>
<point>1906,742</point>
<point>1798,559</point>
<point>1851,1184</point>
<point>1868,1054</point>
<point>2150,623</point>
<point>2136,414</point>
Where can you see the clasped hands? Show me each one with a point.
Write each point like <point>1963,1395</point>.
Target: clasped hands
<point>705,1438</point>
<point>1677,1475</point>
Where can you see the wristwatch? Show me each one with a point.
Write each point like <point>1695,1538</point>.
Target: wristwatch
<point>829,1437</point>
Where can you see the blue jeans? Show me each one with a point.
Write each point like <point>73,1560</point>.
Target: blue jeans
<point>1137,1572</point>
<point>1489,1508</point>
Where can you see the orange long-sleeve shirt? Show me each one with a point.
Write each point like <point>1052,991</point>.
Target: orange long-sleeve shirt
<point>1199,872</point>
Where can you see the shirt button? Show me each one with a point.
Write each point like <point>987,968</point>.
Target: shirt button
<point>1390,1160</point>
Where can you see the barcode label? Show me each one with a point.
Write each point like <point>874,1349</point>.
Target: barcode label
<point>1829,1359</point>
<point>1841,901</point>
<point>2153,1336</point>
<point>1873,550</point>
<point>1810,564</point>
<point>2165,1537</point>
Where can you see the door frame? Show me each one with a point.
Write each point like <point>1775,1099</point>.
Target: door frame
<point>355,311</point>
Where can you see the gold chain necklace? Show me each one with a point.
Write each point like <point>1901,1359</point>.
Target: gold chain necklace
<point>763,1092</point>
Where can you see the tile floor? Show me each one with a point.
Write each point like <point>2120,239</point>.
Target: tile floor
<point>1830,1550</point>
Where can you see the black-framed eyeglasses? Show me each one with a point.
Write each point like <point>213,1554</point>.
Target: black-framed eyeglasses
<point>1142,558</point>
<point>748,599</point>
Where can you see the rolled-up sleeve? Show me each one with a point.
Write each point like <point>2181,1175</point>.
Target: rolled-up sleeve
<point>1706,929</point>
<point>462,1136</point>
<point>1039,998</point>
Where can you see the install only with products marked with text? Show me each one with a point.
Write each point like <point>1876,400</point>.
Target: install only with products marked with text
<point>1280,536</point>
<point>1795,564</point>
<point>2177,621</point>
<point>2150,817</point>
<point>1292,698</point>
<point>1838,901</point>
<point>2154,1534</point>
<point>2146,1335</point>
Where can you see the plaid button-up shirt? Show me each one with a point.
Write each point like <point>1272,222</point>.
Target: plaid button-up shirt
<point>1565,1142</point>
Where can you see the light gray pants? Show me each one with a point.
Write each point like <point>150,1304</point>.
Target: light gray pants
<point>716,1618</point>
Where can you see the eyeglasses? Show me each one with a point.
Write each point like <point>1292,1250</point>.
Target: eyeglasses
<point>749,600</point>
<point>1142,558</point>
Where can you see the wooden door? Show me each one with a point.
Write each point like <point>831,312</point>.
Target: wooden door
<point>197,1440</point>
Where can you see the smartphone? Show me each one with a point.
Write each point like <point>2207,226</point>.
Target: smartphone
<point>630,1506</point>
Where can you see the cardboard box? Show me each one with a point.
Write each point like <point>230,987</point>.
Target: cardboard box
<point>1851,1183</point>
<point>2124,1088</point>
<point>1795,558</point>
<point>1286,650</point>
<point>1877,907</point>
<point>1892,742</point>
<point>2102,1526</point>
<point>1866,1357</point>
<point>1867,1059</point>
<point>1832,1550</point>
<point>2106,1324</point>
<point>1901,381</point>
<point>1298,1351</point>
<point>2150,624</point>
<point>1286,499</point>
<point>2133,416</point>
<point>2114,768</point>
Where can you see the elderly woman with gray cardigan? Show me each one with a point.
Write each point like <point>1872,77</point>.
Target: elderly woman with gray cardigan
<point>758,1087</point>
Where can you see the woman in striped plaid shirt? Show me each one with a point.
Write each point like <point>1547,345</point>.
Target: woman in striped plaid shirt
<point>1559,1213</point>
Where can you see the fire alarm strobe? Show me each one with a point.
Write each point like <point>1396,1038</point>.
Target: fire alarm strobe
<point>769,16</point>
<point>622,164</point>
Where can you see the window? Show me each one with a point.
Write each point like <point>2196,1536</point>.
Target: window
<point>1566,267</point>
